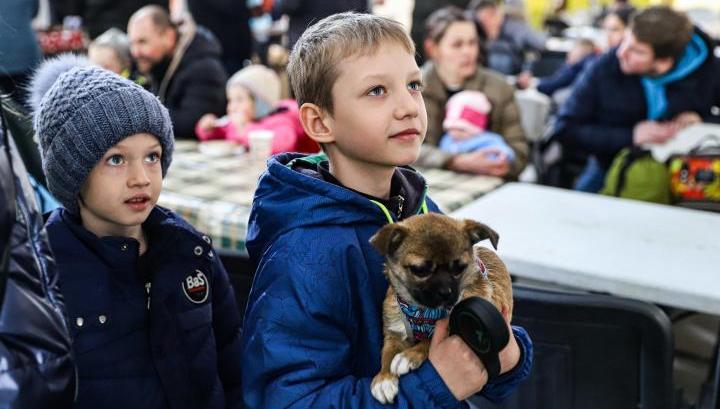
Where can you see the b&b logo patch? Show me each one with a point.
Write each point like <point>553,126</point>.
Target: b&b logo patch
<point>196,287</point>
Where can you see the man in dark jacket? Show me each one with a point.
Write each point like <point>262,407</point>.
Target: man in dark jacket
<point>37,369</point>
<point>662,78</point>
<point>184,64</point>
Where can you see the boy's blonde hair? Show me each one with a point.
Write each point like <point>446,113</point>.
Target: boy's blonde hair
<point>313,65</point>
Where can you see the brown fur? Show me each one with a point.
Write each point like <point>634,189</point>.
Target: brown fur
<point>437,242</point>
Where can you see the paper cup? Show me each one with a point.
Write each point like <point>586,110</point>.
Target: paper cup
<point>260,144</point>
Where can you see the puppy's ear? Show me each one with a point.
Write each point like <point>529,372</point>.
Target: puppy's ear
<point>478,232</point>
<point>387,240</point>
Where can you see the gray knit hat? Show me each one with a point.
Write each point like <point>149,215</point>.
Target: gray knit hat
<point>80,112</point>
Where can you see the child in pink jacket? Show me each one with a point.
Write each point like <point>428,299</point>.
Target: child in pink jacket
<point>253,95</point>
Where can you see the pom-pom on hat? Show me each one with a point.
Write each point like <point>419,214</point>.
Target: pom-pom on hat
<point>80,112</point>
<point>467,110</point>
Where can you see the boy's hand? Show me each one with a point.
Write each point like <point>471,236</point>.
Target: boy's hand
<point>207,122</point>
<point>458,366</point>
<point>510,355</point>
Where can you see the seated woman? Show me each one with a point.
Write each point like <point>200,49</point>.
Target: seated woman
<point>253,95</point>
<point>452,45</point>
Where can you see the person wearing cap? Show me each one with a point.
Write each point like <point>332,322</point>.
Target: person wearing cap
<point>151,312</point>
<point>466,126</point>
<point>253,95</point>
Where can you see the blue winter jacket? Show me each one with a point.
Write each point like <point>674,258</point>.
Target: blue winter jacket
<point>184,352</point>
<point>313,327</point>
<point>606,104</point>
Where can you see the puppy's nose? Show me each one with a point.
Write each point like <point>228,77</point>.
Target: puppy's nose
<point>445,291</point>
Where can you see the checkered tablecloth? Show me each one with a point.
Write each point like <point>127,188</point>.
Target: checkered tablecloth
<point>214,192</point>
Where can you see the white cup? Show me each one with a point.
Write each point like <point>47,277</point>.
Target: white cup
<point>260,141</point>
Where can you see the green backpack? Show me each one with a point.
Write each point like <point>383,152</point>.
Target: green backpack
<point>634,174</point>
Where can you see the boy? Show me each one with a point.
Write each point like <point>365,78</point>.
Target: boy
<point>313,327</point>
<point>152,315</point>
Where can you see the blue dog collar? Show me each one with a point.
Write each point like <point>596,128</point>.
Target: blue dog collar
<point>422,320</point>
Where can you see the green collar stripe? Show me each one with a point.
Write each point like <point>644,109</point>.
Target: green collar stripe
<point>385,210</point>
<point>313,159</point>
<point>423,209</point>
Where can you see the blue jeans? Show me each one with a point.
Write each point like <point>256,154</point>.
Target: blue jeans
<point>592,178</point>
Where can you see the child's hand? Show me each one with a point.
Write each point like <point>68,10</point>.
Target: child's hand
<point>458,366</point>
<point>207,122</point>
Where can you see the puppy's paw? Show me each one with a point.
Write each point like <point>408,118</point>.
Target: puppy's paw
<point>384,387</point>
<point>406,361</point>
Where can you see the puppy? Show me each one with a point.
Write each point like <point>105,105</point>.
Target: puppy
<point>431,266</point>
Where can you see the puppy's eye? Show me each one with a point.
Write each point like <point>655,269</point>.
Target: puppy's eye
<point>419,271</point>
<point>457,267</point>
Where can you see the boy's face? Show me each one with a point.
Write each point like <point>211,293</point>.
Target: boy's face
<point>379,115</point>
<point>123,187</point>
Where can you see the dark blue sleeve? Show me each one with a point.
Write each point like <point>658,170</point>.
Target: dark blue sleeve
<point>505,384</point>
<point>563,78</point>
<point>227,330</point>
<point>298,335</point>
<point>577,124</point>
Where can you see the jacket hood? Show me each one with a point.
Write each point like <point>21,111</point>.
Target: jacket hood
<point>288,198</point>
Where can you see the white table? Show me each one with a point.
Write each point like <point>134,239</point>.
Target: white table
<point>661,254</point>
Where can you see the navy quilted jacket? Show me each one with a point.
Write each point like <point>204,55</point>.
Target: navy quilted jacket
<point>181,353</point>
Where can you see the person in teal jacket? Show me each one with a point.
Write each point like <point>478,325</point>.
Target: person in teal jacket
<point>312,334</point>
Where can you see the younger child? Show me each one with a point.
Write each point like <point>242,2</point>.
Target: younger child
<point>111,50</point>
<point>466,123</point>
<point>152,314</point>
<point>253,95</point>
<point>313,328</point>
